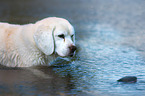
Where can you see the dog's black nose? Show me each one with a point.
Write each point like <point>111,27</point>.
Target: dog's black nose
<point>72,48</point>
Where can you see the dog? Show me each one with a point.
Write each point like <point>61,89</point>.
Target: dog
<point>33,44</point>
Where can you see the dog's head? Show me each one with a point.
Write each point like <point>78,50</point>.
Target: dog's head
<point>55,35</point>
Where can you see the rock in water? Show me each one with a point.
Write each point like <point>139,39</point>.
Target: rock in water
<point>128,79</point>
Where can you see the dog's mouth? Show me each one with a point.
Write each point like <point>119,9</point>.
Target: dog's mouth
<point>71,54</point>
<point>68,55</point>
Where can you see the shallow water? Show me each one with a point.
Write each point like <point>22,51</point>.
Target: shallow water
<point>110,39</point>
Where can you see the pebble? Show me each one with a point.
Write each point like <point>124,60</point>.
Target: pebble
<point>128,79</point>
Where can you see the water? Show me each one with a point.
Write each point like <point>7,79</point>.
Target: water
<point>110,39</point>
<point>100,65</point>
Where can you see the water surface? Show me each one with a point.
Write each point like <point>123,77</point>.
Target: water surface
<point>110,39</point>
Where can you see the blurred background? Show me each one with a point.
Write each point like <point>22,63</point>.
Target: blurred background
<point>110,39</point>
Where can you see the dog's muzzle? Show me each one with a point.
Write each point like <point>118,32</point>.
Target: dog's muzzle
<point>72,49</point>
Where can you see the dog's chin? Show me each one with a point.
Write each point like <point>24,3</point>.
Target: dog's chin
<point>68,55</point>
<point>71,55</point>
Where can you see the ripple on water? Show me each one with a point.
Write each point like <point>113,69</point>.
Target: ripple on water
<point>101,64</point>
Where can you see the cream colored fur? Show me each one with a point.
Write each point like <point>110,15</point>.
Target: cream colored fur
<point>31,44</point>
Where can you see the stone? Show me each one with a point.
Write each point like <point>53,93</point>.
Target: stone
<point>128,79</point>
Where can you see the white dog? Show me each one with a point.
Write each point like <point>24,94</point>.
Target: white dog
<point>31,44</point>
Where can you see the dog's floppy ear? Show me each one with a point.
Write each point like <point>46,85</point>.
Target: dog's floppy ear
<point>43,38</point>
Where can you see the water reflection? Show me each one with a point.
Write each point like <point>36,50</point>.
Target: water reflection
<point>19,82</point>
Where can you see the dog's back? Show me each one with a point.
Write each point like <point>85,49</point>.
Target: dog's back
<point>17,48</point>
<point>7,42</point>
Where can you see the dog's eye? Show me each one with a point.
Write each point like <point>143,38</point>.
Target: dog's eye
<point>61,36</point>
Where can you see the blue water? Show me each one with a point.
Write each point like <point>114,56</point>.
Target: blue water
<point>110,36</point>
<point>101,61</point>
